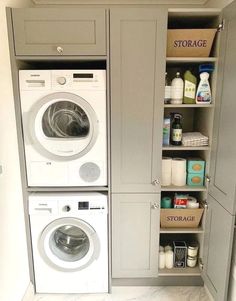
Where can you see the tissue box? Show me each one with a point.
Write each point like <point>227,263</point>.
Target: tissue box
<point>195,165</point>
<point>195,179</point>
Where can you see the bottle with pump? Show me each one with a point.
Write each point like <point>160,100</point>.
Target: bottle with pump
<point>167,98</point>
<point>176,129</point>
<point>177,90</point>
<point>203,95</point>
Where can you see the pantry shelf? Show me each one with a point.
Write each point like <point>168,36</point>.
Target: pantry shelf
<point>181,230</point>
<point>191,59</point>
<point>180,272</point>
<point>173,147</point>
<point>183,188</point>
<point>189,106</point>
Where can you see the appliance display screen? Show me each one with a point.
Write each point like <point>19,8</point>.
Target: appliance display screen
<point>83,205</point>
<point>83,75</point>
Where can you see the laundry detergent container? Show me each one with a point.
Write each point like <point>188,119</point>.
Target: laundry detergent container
<point>190,42</point>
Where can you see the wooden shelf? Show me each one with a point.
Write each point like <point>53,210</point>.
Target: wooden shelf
<point>180,272</point>
<point>181,230</point>
<point>191,59</point>
<point>183,188</point>
<point>188,148</point>
<point>183,105</point>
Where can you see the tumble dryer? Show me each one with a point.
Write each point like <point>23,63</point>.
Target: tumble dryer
<point>69,242</point>
<point>64,127</point>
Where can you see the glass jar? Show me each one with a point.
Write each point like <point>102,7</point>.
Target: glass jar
<point>191,261</point>
<point>193,249</point>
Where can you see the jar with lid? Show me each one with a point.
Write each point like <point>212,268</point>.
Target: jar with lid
<point>191,261</point>
<point>193,249</point>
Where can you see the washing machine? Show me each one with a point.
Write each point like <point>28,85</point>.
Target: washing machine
<point>69,242</point>
<point>64,127</point>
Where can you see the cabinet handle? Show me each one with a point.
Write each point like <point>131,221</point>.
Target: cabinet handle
<point>156,182</point>
<point>60,50</point>
<point>208,179</point>
<point>155,206</point>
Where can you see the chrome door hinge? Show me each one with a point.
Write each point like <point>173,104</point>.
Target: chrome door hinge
<point>201,265</point>
<point>205,204</point>
<point>221,26</point>
<point>208,179</point>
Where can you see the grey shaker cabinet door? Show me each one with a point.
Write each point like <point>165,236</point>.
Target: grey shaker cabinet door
<point>138,50</point>
<point>78,31</point>
<point>223,163</point>
<point>218,247</point>
<point>135,235</point>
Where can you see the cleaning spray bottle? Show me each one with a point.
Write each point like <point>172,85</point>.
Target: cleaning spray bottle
<point>203,95</point>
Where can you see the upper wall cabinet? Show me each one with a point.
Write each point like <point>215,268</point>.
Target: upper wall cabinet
<point>56,31</point>
<point>138,50</point>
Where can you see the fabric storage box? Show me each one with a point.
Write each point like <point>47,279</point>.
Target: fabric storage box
<point>190,42</point>
<point>181,218</point>
<point>195,179</point>
<point>195,165</point>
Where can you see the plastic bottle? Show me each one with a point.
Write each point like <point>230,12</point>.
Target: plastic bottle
<point>167,98</point>
<point>203,95</point>
<point>190,82</point>
<point>177,90</point>
<point>176,130</point>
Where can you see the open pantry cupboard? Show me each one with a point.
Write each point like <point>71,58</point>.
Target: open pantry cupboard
<point>215,120</point>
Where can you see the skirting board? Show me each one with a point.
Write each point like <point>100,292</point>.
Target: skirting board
<point>29,294</point>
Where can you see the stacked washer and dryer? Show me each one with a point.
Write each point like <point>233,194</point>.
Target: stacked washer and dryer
<point>65,140</point>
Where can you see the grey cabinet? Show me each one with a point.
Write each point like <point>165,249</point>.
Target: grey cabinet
<point>135,224</point>
<point>221,198</point>
<point>223,165</point>
<point>217,249</point>
<point>138,48</point>
<point>59,31</point>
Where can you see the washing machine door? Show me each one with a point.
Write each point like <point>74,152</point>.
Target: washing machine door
<point>63,126</point>
<point>69,244</point>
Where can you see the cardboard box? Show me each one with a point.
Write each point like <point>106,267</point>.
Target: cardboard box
<point>195,179</point>
<point>190,42</point>
<point>181,218</point>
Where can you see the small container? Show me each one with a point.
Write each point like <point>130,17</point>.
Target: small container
<point>168,248</point>
<point>162,260</point>
<point>177,90</point>
<point>191,261</point>
<point>195,165</point>
<point>169,259</point>
<point>193,249</point>
<point>180,254</point>
<point>166,202</point>
<point>161,249</point>
<point>195,179</point>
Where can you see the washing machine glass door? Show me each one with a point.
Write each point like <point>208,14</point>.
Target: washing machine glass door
<point>63,126</point>
<point>69,244</point>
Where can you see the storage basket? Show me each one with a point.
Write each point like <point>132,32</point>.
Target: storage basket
<point>190,42</point>
<point>181,218</point>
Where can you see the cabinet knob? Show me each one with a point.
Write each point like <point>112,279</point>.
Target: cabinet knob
<point>60,50</point>
<point>155,206</point>
<point>156,182</point>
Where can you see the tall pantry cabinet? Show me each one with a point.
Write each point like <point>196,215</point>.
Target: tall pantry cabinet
<point>138,39</point>
<point>137,76</point>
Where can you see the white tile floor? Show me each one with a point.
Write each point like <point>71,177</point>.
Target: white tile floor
<point>160,293</point>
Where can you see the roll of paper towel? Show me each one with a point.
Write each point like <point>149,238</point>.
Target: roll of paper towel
<point>166,171</point>
<point>178,172</point>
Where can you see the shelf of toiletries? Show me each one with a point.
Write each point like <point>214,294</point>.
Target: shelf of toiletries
<point>179,257</point>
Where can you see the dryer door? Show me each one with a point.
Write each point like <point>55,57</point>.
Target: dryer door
<point>63,126</point>
<point>69,244</point>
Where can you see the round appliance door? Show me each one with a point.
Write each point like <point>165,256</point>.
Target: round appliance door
<point>64,126</point>
<point>69,244</point>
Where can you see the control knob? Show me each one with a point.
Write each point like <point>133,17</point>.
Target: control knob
<point>61,80</point>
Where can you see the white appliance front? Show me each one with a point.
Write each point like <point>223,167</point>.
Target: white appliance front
<point>64,126</point>
<point>70,242</point>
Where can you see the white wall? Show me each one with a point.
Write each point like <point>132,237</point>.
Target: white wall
<point>14,271</point>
